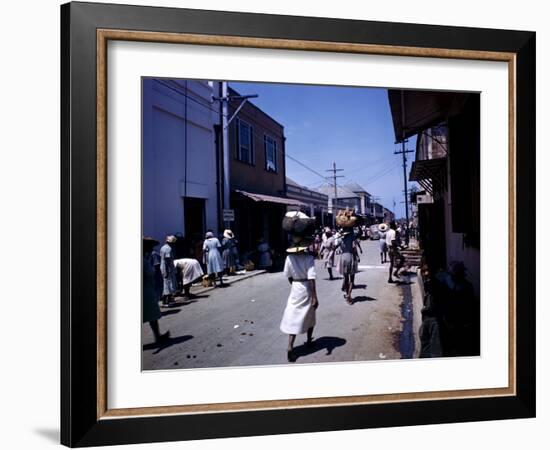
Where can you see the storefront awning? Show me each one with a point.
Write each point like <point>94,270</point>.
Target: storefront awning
<point>431,174</point>
<point>270,198</point>
<point>415,111</point>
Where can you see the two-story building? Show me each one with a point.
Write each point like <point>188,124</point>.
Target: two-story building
<point>447,167</point>
<point>377,212</point>
<point>364,198</point>
<point>257,176</point>
<point>344,198</point>
<point>180,169</point>
<point>315,203</point>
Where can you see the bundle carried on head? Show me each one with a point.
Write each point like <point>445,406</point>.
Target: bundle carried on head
<point>346,218</point>
<point>301,229</point>
<point>298,224</point>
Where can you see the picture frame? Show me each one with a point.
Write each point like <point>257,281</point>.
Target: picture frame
<point>86,28</point>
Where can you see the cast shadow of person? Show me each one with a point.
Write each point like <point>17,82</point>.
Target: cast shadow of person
<point>160,346</point>
<point>362,298</point>
<point>326,342</point>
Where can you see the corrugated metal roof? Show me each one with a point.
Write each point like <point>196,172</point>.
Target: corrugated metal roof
<point>270,198</point>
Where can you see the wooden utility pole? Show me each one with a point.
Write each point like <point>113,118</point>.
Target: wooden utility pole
<point>335,200</point>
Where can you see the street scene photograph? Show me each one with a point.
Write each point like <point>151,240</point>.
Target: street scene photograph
<point>287,224</point>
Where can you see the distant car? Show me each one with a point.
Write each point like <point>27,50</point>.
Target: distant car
<point>374,234</point>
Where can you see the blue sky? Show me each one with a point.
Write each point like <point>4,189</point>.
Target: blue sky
<point>348,125</point>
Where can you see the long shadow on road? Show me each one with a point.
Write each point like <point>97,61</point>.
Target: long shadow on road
<point>326,342</point>
<point>161,346</point>
<point>363,298</point>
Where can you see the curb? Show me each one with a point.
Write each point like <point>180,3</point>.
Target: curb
<point>228,281</point>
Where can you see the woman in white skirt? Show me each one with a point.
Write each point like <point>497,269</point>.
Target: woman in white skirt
<point>299,314</point>
<point>188,271</point>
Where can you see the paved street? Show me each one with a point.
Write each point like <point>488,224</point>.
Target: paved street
<point>239,325</point>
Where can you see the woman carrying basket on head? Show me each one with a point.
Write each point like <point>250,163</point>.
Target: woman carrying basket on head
<point>299,315</point>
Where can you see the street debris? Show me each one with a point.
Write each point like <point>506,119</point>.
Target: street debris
<point>382,356</point>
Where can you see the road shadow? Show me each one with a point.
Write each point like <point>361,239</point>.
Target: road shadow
<point>363,298</point>
<point>169,312</point>
<point>182,301</point>
<point>360,286</point>
<point>403,283</point>
<point>158,347</point>
<point>326,342</point>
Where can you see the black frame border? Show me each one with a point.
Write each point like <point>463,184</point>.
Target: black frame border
<point>79,423</point>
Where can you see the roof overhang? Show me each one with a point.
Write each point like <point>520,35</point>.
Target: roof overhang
<point>415,111</point>
<point>270,198</point>
<point>431,174</point>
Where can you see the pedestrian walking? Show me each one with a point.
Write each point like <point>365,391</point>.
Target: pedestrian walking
<point>347,263</point>
<point>213,258</point>
<point>299,315</point>
<point>150,306</point>
<point>396,260</point>
<point>382,230</point>
<point>188,271</point>
<point>230,252</point>
<point>170,283</point>
<point>328,252</point>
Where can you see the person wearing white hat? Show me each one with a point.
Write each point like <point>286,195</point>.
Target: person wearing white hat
<point>229,253</point>
<point>168,271</point>
<point>299,315</point>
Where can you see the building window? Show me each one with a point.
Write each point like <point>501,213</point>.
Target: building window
<point>270,146</point>
<point>245,139</point>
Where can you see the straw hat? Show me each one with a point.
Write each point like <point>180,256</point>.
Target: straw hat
<point>171,239</point>
<point>228,234</point>
<point>299,244</point>
<point>301,228</point>
<point>383,227</point>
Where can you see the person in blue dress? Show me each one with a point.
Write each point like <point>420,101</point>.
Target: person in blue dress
<point>212,257</point>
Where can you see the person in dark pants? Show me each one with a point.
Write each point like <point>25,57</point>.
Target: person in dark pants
<point>392,242</point>
<point>151,311</point>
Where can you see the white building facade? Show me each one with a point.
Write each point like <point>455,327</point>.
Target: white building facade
<point>180,158</point>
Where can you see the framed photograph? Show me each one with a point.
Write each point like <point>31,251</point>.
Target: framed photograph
<point>278,224</point>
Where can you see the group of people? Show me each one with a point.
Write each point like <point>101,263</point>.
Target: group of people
<point>391,244</point>
<point>339,249</point>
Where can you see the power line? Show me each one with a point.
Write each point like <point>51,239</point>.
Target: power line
<point>305,166</point>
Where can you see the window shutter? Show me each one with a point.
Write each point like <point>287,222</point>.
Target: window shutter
<point>265,152</point>
<point>275,155</point>
<point>252,156</point>
<point>237,138</point>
